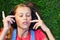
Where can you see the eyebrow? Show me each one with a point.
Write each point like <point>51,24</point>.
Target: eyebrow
<point>20,13</point>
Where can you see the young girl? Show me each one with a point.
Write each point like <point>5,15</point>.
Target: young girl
<point>24,16</point>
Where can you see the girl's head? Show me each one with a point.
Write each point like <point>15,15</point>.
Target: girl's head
<point>23,15</point>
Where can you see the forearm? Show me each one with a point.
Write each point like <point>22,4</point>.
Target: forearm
<point>2,36</point>
<point>50,36</point>
<point>48,32</point>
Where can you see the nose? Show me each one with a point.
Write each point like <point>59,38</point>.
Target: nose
<point>24,17</point>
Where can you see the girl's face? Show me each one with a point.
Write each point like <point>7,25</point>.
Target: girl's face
<point>23,17</point>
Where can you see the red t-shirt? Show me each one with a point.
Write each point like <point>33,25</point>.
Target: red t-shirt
<point>39,35</point>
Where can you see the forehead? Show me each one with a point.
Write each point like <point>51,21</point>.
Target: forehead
<point>23,9</point>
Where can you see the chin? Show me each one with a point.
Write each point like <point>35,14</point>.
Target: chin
<point>24,27</point>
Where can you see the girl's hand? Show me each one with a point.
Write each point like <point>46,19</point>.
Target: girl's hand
<point>7,21</point>
<point>39,23</point>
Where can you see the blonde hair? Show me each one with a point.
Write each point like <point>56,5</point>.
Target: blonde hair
<point>19,5</point>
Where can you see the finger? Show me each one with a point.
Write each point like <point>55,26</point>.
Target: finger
<point>34,21</point>
<point>10,20</point>
<point>13,20</point>
<point>11,16</point>
<point>38,16</point>
<point>35,26</point>
<point>3,14</point>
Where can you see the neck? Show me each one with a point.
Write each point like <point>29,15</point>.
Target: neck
<point>22,32</point>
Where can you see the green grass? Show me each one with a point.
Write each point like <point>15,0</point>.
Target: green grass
<point>49,11</point>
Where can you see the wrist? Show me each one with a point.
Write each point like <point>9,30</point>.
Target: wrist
<point>5,29</point>
<point>45,28</point>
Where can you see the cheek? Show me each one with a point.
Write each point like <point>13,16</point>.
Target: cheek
<point>18,20</point>
<point>29,19</point>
